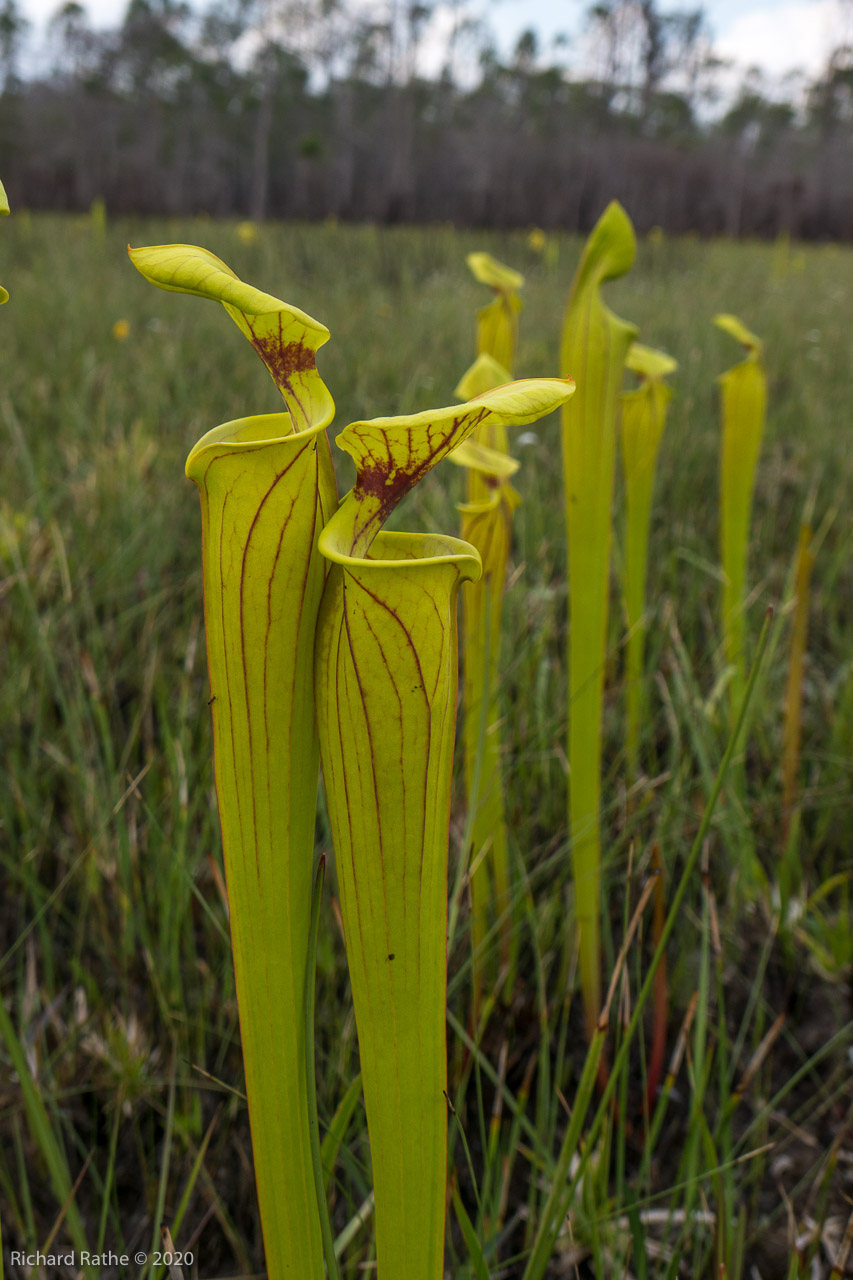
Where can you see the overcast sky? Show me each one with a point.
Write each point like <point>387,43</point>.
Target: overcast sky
<point>778,36</point>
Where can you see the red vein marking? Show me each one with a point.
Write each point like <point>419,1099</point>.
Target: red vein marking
<point>341,672</point>
<point>241,597</point>
<point>402,721</point>
<point>372,755</point>
<point>284,360</point>
<point>427,701</point>
<point>388,483</point>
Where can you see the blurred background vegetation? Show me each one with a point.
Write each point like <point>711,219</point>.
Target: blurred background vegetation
<point>318,108</point>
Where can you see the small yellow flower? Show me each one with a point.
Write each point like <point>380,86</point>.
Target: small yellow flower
<point>121,330</point>
<point>537,240</point>
<point>247,232</point>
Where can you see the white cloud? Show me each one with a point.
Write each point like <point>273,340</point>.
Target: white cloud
<point>796,35</point>
<point>100,13</point>
<point>778,36</point>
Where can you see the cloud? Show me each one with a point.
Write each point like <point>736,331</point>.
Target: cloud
<point>797,35</point>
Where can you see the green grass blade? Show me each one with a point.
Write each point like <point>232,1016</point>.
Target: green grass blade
<point>337,1129</point>
<point>43,1135</point>
<point>475,1253</point>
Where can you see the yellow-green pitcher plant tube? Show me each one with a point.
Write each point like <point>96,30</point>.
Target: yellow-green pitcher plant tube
<point>594,345</point>
<point>267,488</point>
<point>487,518</point>
<point>497,324</point>
<point>643,422</point>
<point>743,391</point>
<point>4,208</point>
<point>486,524</point>
<point>386,684</point>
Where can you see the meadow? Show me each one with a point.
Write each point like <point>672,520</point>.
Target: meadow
<point>121,1103</point>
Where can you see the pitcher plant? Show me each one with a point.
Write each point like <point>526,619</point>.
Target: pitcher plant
<point>386,679</point>
<point>595,343</point>
<point>643,422</point>
<point>267,487</point>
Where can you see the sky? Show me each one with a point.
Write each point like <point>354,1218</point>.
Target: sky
<point>777,36</point>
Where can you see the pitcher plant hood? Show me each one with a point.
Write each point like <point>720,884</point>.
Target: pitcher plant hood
<point>497,323</point>
<point>285,338</point>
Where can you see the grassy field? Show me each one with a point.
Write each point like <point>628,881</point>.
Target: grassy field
<point>120,1067</point>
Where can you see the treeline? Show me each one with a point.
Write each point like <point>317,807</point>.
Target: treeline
<point>306,109</point>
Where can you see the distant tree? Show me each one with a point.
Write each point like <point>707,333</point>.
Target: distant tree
<point>78,52</point>
<point>756,120</point>
<point>526,51</point>
<point>299,108</point>
<point>653,54</point>
<point>669,116</point>
<point>155,53</point>
<point>643,52</point>
<point>13,29</point>
<point>692,63</point>
<point>830,103</point>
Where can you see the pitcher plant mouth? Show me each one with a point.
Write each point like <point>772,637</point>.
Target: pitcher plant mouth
<point>401,550</point>
<point>244,435</point>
